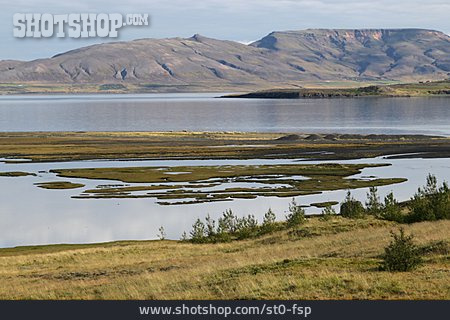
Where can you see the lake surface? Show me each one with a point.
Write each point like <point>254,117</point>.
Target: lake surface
<point>30,215</point>
<point>203,112</point>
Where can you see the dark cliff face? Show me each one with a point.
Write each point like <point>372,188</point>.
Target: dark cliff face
<point>277,59</point>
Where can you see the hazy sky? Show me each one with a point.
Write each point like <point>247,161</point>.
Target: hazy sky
<point>244,20</point>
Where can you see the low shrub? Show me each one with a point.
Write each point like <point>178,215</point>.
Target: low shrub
<point>268,224</point>
<point>401,254</point>
<point>296,214</point>
<point>351,208</point>
<point>373,204</point>
<point>327,213</point>
<point>198,232</point>
<point>247,227</point>
<point>391,210</point>
<point>430,202</point>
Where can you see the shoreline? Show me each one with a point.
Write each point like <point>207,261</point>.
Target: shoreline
<point>300,262</point>
<point>64,246</point>
<point>306,89</point>
<point>77,146</point>
<point>407,90</point>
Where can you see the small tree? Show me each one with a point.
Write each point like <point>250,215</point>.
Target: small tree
<point>327,213</point>
<point>373,204</point>
<point>227,223</point>
<point>268,224</point>
<point>430,202</point>
<point>269,217</point>
<point>401,254</point>
<point>296,214</point>
<point>198,232</point>
<point>442,202</point>
<point>246,227</point>
<point>184,237</point>
<point>431,186</point>
<point>210,227</point>
<point>391,210</point>
<point>351,208</point>
<point>421,208</point>
<point>162,233</point>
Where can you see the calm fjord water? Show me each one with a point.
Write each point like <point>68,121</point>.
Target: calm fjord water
<point>29,215</point>
<point>203,112</point>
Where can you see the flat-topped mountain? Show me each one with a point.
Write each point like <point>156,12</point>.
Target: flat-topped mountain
<point>399,54</point>
<point>279,59</point>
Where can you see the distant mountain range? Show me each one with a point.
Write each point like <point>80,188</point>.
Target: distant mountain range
<point>279,59</point>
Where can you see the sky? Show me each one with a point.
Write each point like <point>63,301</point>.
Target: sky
<point>243,21</point>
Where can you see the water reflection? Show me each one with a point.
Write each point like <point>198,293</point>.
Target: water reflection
<point>30,215</point>
<point>197,112</point>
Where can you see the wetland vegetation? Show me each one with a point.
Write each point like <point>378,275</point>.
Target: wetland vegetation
<point>16,174</point>
<point>284,180</point>
<point>59,185</point>
<point>430,203</point>
<point>73,146</point>
<point>328,256</point>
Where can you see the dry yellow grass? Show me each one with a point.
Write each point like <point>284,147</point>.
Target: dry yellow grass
<point>335,259</point>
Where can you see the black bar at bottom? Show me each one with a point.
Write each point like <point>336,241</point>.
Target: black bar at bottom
<point>111,310</point>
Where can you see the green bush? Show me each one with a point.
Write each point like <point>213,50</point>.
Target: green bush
<point>351,208</point>
<point>373,204</point>
<point>296,214</point>
<point>198,232</point>
<point>247,227</point>
<point>210,227</point>
<point>227,224</point>
<point>228,227</point>
<point>401,254</point>
<point>184,237</point>
<point>391,210</point>
<point>430,202</point>
<point>327,213</point>
<point>268,224</point>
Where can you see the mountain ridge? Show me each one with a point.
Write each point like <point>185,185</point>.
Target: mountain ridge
<point>280,58</point>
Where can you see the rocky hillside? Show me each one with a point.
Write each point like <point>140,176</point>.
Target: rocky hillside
<point>280,58</point>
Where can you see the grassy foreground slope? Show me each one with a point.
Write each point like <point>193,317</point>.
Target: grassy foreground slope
<point>335,259</point>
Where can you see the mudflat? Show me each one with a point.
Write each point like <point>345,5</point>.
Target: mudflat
<point>71,146</point>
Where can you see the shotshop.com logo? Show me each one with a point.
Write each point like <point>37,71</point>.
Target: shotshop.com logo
<point>74,25</point>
